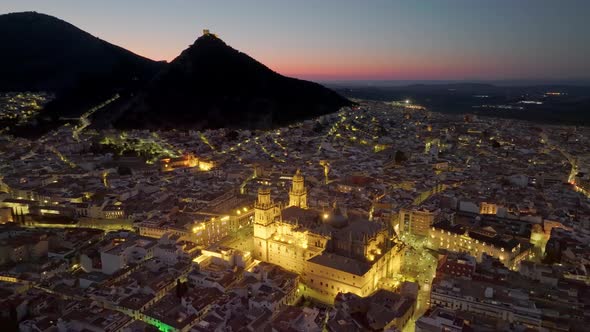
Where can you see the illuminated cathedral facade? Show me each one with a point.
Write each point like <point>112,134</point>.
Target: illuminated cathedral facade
<point>330,252</point>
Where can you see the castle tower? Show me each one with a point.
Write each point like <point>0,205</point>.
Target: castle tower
<point>298,193</point>
<point>265,213</point>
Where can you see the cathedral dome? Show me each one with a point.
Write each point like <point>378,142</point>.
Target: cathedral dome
<point>336,218</point>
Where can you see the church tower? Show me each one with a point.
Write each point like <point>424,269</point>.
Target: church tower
<point>298,193</point>
<point>265,213</point>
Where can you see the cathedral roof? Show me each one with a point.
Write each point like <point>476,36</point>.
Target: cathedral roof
<point>304,217</point>
<point>358,230</point>
<point>342,263</point>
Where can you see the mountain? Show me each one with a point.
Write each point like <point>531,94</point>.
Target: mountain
<point>211,85</point>
<point>41,52</point>
<point>208,85</point>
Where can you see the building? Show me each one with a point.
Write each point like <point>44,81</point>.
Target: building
<point>116,252</point>
<point>92,318</point>
<point>477,241</point>
<point>486,299</point>
<point>298,193</point>
<point>185,161</point>
<point>109,208</point>
<point>6,215</point>
<point>18,206</point>
<point>381,311</point>
<point>416,222</point>
<point>488,208</point>
<point>24,248</point>
<point>222,215</point>
<point>439,319</point>
<point>332,253</point>
<point>207,32</point>
<point>296,319</point>
<point>457,265</point>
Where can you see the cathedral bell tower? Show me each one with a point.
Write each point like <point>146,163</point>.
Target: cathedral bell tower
<point>265,213</point>
<point>298,193</point>
<point>264,208</point>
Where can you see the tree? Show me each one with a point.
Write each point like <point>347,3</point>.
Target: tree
<point>318,127</point>
<point>181,288</point>
<point>178,288</point>
<point>400,157</point>
<point>11,322</point>
<point>232,135</point>
<point>124,170</point>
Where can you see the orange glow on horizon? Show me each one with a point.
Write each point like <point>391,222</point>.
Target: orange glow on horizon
<point>302,65</point>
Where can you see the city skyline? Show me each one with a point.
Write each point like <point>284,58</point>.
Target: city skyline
<point>434,177</point>
<point>350,40</point>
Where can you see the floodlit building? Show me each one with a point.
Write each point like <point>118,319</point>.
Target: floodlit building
<point>186,161</point>
<point>6,215</point>
<point>477,241</point>
<point>332,253</point>
<point>488,208</point>
<point>298,193</point>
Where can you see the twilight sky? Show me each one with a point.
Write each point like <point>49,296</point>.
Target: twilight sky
<point>354,39</point>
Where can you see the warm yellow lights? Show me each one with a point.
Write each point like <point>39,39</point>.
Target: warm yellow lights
<point>197,228</point>
<point>203,166</point>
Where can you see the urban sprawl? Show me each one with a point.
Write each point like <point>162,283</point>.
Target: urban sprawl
<point>380,217</point>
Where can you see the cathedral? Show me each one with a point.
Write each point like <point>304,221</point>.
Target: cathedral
<point>330,252</point>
